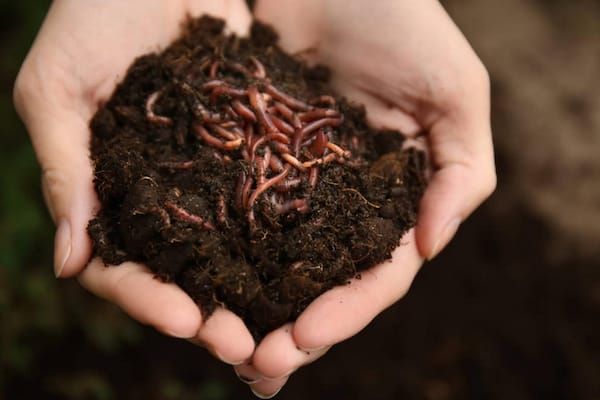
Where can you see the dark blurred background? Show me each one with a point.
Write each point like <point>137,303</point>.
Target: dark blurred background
<point>511,310</point>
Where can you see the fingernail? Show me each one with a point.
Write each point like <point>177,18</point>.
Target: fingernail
<point>225,360</point>
<point>247,379</point>
<point>307,350</point>
<point>265,396</point>
<point>247,373</point>
<point>447,234</point>
<point>62,246</point>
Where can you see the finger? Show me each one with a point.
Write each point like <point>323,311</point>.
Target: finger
<point>225,335</point>
<point>345,310</point>
<point>134,288</point>
<point>278,355</point>
<point>464,173</point>
<point>267,389</point>
<point>61,144</point>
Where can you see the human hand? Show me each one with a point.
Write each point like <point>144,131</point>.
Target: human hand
<point>82,50</point>
<point>415,72</point>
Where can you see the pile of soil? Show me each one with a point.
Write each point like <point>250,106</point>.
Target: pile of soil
<point>231,168</point>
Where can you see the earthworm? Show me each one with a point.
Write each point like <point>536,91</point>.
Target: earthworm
<point>258,104</point>
<point>157,119</point>
<point>221,210</point>
<point>266,185</point>
<point>184,215</point>
<point>226,90</point>
<point>300,205</point>
<point>294,162</point>
<point>259,71</point>
<point>243,111</point>
<point>282,125</point>
<point>319,113</point>
<point>289,184</point>
<point>286,99</point>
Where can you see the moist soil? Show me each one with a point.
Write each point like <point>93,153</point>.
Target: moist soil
<point>232,169</point>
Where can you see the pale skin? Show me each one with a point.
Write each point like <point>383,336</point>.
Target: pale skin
<point>405,60</point>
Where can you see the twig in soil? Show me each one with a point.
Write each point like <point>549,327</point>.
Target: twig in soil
<point>362,197</point>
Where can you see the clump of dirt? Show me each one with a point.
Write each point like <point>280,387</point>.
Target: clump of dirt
<point>231,168</point>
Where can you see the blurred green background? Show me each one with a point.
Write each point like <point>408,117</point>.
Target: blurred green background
<point>511,310</point>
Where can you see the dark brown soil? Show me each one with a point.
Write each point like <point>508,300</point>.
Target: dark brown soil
<point>232,169</point>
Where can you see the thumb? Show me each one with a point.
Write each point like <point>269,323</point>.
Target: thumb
<point>461,147</point>
<point>60,138</point>
<point>70,197</point>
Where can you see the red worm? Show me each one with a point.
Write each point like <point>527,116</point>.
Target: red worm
<point>275,163</point>
<point>284,110</point>
<point>282,125</point>
<point>267,184</point>
<point>319,161</point>
<point>294,162</point>
<point>216,142</point>
<point>249,136</point>
<point>259,71</point>
<point>243,111</point>
<point>338,150</point>
<point>176,164</point>
<point>228,124</point>
<point>208,138</point>
<point>233,144</point>
<point>226,90</point>
<point>319,124</point>
<point>246,191</point>
<point>157,119</point>
<point>260,170</point>
<point>224,133</point>
<point>239,189</point>
<point>280,147</point>
<point>319,113</point>
<point>286,99</point>
<point>257,142</point>
<point>289,184</point>
<point>325,99</point>
<point>267,157</point>
<point>319,145</point>
<point>184,215</point>
<point>258,104</point>
<point>213,84</point>
<point>279,137</point>
<point>313,177</point>
<point>240,68</point>
<point>221,210</point>
<point>214,68</point>
<point>300,205</point>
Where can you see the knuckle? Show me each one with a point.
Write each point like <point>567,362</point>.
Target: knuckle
<point>19,90</point>
<point>481,76</point>
<point>488,184</point>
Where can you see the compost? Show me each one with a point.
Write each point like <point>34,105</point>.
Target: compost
<point>234,170</point>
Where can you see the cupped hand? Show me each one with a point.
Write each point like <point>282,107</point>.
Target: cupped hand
<point>415,72</point>
<point>81,52</point>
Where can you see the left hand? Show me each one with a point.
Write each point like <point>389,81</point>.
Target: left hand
<point>414,71</point>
